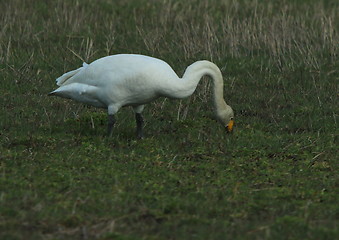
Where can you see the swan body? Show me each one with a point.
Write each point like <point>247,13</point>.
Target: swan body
<point>133,80</point>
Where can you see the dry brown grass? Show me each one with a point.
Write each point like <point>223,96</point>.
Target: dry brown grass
<point>285,32</point>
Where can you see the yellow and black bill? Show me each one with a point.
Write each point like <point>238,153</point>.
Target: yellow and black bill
<point>229,126</point>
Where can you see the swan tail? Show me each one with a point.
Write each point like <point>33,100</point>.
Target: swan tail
<point>81,93</point>
<point>74,91</point>
<point>61,80</point>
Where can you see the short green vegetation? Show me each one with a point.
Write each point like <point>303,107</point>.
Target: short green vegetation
<point>275,177</point>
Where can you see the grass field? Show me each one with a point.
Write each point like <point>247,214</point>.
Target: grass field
<point>275,177</point>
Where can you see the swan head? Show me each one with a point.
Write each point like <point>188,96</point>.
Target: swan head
<point>226,118</point>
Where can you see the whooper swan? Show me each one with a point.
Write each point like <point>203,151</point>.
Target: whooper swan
<point>133,80</point>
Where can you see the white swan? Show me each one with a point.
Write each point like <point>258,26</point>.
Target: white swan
<point>122,80</point>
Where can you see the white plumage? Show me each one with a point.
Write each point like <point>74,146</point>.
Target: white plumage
<point>133,80</point>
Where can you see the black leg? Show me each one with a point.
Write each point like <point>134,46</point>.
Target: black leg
<point>140,123</point>
<point>111,121</point>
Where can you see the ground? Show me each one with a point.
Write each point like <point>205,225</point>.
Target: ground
<point>275,177</point>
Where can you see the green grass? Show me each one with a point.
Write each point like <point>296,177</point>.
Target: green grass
<point>275,177</point>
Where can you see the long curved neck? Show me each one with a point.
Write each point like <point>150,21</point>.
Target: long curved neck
<point>196,71</point>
